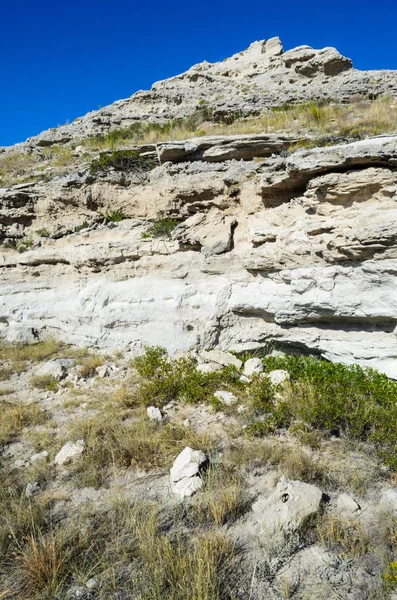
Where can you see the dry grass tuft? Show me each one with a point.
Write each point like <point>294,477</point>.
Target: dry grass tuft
<point>89,364</point>
<point>343,537</point>
<point>14,416</point>
<point>110,442</point>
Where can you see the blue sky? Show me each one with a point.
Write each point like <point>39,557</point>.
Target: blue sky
<point>58,60</point>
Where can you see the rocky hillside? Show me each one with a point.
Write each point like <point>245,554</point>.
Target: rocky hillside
<point>231,240</point>
<point>174,268</point>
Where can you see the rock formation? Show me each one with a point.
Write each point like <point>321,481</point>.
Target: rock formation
<point>297,248</point>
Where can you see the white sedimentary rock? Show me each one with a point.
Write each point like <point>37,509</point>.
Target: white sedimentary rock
<point>69,452</point>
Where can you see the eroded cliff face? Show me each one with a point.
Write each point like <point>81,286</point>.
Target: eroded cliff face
<point>296,248</point>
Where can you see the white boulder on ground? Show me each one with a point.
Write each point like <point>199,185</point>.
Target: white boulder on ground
<point>154,413</point>
<point>278,376</point>
<point>346,505</point>
<point>287,507</point>
<point>185,472</point>
<point>227,398</point>
<point>39,457</point>
<point>69,452</point>
<point>252,366</point>
<point>225,359</point>
<point>57,369</point>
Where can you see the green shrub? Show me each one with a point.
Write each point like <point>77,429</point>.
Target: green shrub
<point>343,400</point>
<point>121,160</point>
<point>161,228</point>
<point>165,380</point>
<point>115,216</point>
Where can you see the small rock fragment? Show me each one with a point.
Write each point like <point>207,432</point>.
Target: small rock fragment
<point>227,398</point>
<point>278,376</point>
<point>154,413</point>
<point>346,505</point>
<point>39,457</point>
<point>69,452</point>
<point>31,488</point>
<point>253,366</point>
<point>92,583</point>
<point>185,472</point>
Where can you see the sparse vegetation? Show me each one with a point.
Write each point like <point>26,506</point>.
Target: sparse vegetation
<point>162,227</point>
<point>45,382</point>
<point>115,216</point>
<point>121,160</point>
<point>14,416</point>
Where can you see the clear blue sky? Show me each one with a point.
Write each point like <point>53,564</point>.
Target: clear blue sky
<point>58,60</point>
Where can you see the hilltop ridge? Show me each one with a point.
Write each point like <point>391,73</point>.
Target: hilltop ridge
<point>261,77</point>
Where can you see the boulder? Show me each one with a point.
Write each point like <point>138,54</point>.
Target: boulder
<point>185,472</point>
<point>278,377</point>
<point>288,506</point>
<point>225,359</point>
<point>211,232</point>
<point>69,452</point>
<point>209,367</point>
<point>57,369</point>
<point>253,366</point>
<point>154,413</point>
<point>227,398</point>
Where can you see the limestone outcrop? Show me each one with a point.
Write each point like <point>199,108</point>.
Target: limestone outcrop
<point>268,242</point>
<point>313,269</point>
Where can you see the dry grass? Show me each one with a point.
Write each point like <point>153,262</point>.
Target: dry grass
<point>14,165</point>
<point>346,538</point>
<point>223,499</point>
<point>18,356</point>
<point>14,416</point>
<point>44,382</point>
<point>42,564</point>
<point>360,118</point>
<point>89,364</point>
<point>166,564</point>
<point>112,442</point>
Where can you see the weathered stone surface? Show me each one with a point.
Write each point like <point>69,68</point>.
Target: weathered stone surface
<point>154,413</point>
<point>225,359</point>
<point>287,507</point>
<point>225,397</point>
<point>278,377</point>
<point>57,369</point>
<point>299,249</point>
<point>69,452</point>
<point>252,366</point>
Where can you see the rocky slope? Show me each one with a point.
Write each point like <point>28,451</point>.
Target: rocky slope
<point>248,82</point>
<point>272,244</point>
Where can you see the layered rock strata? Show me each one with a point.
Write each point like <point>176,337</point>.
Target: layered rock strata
<point>298,249</point>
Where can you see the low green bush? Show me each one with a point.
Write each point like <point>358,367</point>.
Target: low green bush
<point>165,380</point>
<point>162,227</point>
